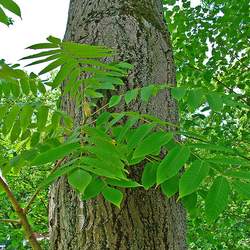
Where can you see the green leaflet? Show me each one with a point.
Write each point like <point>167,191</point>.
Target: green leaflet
<point>114,100</point>
<point>41,87</point>
<point>15,132</point>
<point>11,6</point>
<point>25,135</point>
<point>190,202</point>
<point>3,18</point>
<point>52,66</point>
<point>101,65</point>
<point>106,152</point>
<point>3,111</point>
<point>215,101</point>
<point>42,54</point>
<point>217,198</point>
<point>24,82</point>
<point>172,163</point>
<point>42,116</point>
<point>243,188</point>
<point>130,95</point>
<point>113,195</point>
<point>101,168</point>
<point>214,147</point>
<point>229,160</point>
<point>47,59</point>
<point>93,94</point>
<point>147,92</point>
<point>56,118</point>
<point>54,40</point>
<point>85,50</point>
<point>108,79</point>
<point>35,138</point>
<point>94,70</point>
<point>122,183</point>
<point>94,188</point>
<point>149,175</point>
<point>102,119</point>
<point>178,93</point>
<point>193,177</point>
<point>195,98</point>
<point>1,90</point>
<point>125,65</point>
<point>10,119</point>
<point>105,148</point>
<point>132,121</point>
<point>138,135</point>
<point>55,153</point>
<point>79,179</point>
<point>63,73</point>
<point>117,118</point>
<point>170,186</point>
<point>57,173</point>
<point>74,75</point>
<point>238,174</point>
<point>5,88</point>
<point>97,133</point>
<point>33,87</point>
<point>152,144</point>
<point>25,116</point>
<point>43,46</point>
<point>15,88</point>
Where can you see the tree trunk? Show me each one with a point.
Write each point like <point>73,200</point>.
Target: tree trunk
<point>147,219</point>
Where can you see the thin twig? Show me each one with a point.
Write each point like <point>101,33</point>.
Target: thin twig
<point>10,221</point>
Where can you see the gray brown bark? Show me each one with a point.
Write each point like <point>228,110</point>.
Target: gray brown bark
<point>146,220</point>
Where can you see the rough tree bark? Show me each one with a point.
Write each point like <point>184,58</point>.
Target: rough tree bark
<point>146,220</point>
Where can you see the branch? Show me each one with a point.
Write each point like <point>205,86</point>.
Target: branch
<point>33,197</point>
<point>10,221</point>
<point>23,219</point>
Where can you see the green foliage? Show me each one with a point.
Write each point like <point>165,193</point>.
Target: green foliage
<point>11,6</point>
<point>193,177</point>
<point>230,231</point>
<point>211,53</point>
<point>204,160</point>
<point>79,179</point>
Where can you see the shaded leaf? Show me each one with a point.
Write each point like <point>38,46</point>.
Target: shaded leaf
<point>170,186</point>
<point>42,115</point>
<point>94,188</point>
<point>215,101</point>
<point>152,144</point>
<point>193,177</point>
<point>178,93</point>
<point>79,179</point>
<point>130,95</point>
<point>172,163</point>
<point>54,154</point>
<point>243,188</point>
<point>217,198</point>
<point>114,100</point>
<point>123,183</point>
<point>149,175</point>
<point>113,195</point>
